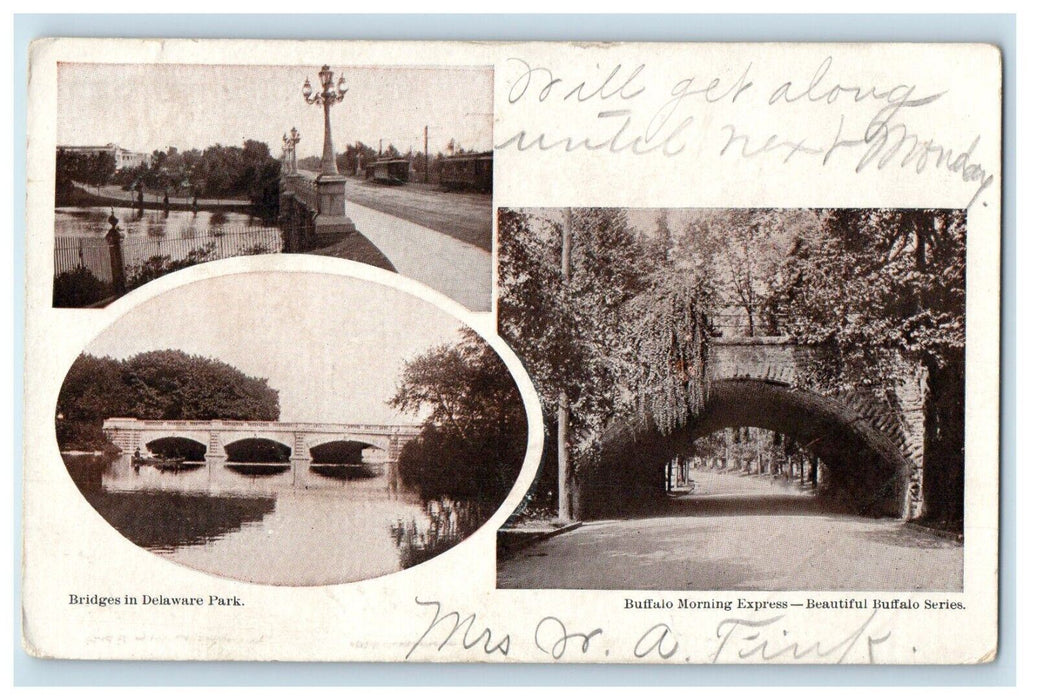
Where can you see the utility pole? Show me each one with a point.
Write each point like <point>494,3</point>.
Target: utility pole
<point>426,154</point>
<point>565,511</point>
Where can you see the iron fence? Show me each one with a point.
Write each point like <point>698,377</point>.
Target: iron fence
<point>215,244</point>
<point>71,253</point>
<point>85,268</point>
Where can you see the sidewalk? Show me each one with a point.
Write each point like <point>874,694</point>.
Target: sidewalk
<point>459,270</point>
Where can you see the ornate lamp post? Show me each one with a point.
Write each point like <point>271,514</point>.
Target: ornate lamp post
<point>327,96</point>
<point>293,141</point>
<point>288,144</point>
<point>327,210</point>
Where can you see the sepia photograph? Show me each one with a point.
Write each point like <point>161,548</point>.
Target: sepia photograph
<point>565,352</point>
<point>159,167</point>
<point>740,399</point>
<point>332,443</point>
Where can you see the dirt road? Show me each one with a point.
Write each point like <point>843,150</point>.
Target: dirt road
<point>741,535</point>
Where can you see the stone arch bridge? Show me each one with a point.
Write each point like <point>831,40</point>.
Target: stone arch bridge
<point>873,437</point>
<point>131,434</point>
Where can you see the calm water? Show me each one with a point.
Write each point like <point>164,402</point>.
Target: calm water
<point>152,240</point>
<point>92,222</point>
<point>267,529</point>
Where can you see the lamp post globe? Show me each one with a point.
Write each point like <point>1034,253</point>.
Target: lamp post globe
<point>327,96</point>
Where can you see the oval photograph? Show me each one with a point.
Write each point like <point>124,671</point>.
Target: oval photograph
<point>291,428</point>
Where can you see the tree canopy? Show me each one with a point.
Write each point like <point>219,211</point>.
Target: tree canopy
<point>626,338</point>
<point>473,439</point>
<point>160,384</point>
<point>883,286</point>
<point>247,171</point>
<point>87,168</point>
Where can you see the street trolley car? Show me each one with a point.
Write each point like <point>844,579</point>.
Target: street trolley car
<point>470,171</point>
<point>392,171</point>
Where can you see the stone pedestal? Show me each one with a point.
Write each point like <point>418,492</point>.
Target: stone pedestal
<point>331,223</point>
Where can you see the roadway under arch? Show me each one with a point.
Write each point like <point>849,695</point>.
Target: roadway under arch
<point>868,473</point>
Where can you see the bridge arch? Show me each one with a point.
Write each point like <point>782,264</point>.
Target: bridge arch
<point>341,450</point>
<point>315,440</point>
<point>257,450</point>
<point>868,472</point>
<point>177,446</point>
<point>868,469</point>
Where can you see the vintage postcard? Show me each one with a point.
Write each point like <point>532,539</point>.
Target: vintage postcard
<point>509,352</point>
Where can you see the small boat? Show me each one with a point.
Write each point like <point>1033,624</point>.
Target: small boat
<point>165,464</point>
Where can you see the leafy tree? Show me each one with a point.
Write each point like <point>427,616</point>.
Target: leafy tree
<point>260,175</point>
<point>78,288</point>
<point>740,254</point>
<point>569,334</point>
<point>885,289</point>
<point>666,341</point>
<point>882,286</point>
<point>86,168</point>
<point>574,336</point>
<point>354,154</point>
<point>94,389</point>
<point>473,441</point>
<point>161,384</point>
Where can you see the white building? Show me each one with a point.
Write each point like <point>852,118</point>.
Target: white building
<point>123,158</point>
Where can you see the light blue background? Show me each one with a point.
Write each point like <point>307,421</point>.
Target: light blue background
<point>995,29</point>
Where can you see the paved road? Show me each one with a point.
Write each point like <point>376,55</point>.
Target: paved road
<point>466,216</point>
<point>459,270</point>
<point>740,533</point>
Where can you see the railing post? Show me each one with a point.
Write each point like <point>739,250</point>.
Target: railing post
<point>114,239</point>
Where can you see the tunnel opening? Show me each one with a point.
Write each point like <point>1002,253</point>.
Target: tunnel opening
<point>858,470</point>
<point>258,457</point>
<point>347,460</point>
<point>746,470</point>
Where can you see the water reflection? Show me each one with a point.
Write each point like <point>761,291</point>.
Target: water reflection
<point>92,222</point>
<point>341,525</point>
<point>444,524</point>
<point>164,521</point>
